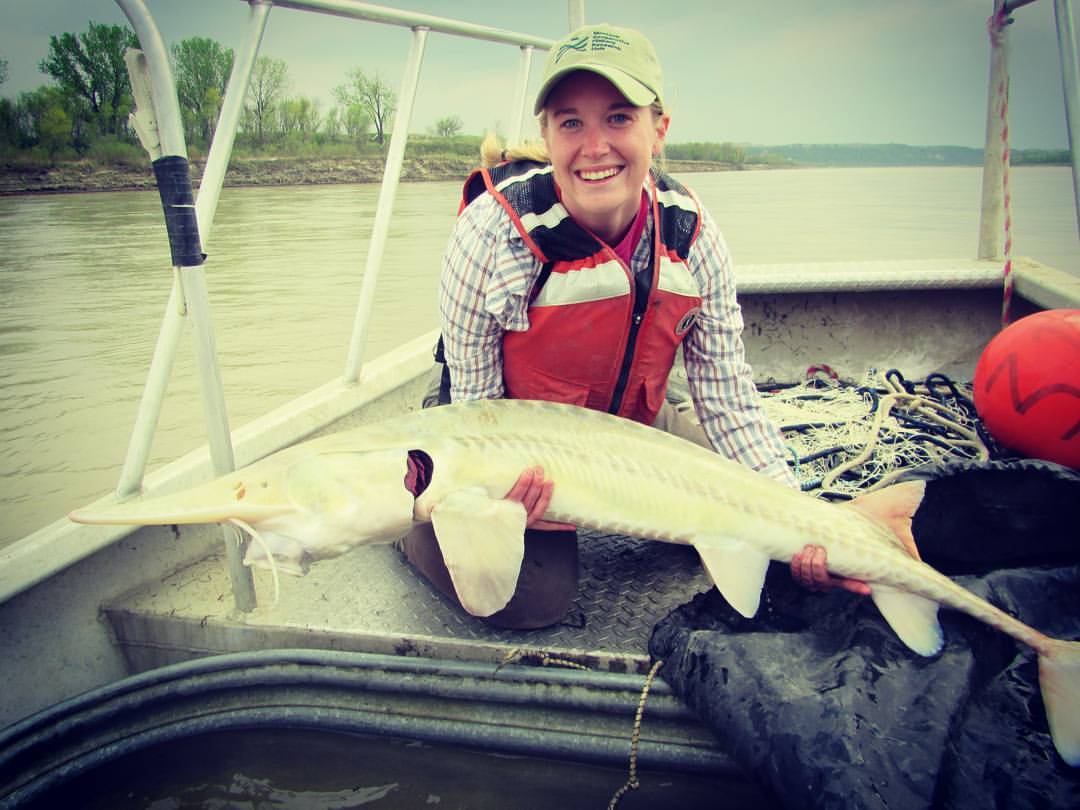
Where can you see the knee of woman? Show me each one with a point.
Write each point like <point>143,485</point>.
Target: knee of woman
<point>547,585</point>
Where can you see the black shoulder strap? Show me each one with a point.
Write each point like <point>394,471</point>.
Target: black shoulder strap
<point>444,380</point>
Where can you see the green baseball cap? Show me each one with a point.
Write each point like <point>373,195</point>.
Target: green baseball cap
<point>623,56</point>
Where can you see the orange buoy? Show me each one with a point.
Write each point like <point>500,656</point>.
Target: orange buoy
<point>1027,386</point>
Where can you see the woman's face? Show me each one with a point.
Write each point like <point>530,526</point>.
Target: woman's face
<point>601,148</point>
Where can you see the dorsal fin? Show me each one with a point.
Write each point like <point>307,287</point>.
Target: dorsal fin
<point>894,507</point>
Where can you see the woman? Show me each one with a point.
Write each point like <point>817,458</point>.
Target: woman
<point>576,276</point>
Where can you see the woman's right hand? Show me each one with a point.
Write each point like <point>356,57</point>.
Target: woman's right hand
<point>533,492</point>
<point>810,568</point>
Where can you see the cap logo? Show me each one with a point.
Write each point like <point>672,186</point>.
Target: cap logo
<point>592,41</point>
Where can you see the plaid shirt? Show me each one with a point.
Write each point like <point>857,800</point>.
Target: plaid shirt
<point>488,274</point>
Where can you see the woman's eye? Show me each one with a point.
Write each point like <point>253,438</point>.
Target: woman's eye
<point>570,123</point>
<point>619,119</point>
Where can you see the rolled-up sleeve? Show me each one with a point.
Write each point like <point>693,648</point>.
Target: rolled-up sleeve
<point>721,381</point>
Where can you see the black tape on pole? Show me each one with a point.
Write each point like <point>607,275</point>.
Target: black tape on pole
<point>174,186</point>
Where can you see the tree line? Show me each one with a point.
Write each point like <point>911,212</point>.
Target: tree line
<point>84,111</point>
<point>896,154</point>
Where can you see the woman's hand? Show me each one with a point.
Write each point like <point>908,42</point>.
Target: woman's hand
<point>534,493</point>
<point>810,569</point>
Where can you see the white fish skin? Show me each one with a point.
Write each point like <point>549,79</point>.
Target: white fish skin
<point>319,498</point>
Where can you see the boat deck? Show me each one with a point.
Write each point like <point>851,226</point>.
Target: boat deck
<point>371,600</point>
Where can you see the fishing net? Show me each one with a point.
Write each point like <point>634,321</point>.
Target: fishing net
<point>846,438</point>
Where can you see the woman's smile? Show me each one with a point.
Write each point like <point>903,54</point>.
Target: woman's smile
<point>595,175</point>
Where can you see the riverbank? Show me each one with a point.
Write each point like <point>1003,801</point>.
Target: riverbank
<point>84,176</point>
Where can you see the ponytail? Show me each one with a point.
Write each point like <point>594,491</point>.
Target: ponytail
<point>494,151</point>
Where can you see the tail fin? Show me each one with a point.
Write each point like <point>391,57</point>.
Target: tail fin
<point>1059,680</point>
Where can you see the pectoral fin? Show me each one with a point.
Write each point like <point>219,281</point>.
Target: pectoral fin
<point>737,570</point>
<point>482,540</point>
<point>913,618</point>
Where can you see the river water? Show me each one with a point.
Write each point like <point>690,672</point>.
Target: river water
<point>84,279</point>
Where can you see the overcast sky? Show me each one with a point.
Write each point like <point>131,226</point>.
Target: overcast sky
<point>753,71</point>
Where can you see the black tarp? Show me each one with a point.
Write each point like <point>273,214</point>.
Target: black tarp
<point>821,704</point>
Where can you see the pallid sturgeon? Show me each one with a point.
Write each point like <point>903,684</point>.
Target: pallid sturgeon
<point>320,498</point>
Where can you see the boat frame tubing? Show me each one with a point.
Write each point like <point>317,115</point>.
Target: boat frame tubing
<point>442,702</point>
<point>190,285</point>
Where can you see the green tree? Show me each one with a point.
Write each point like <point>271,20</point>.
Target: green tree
<point>332,123</point>
<point>269,80</point>
<point>89,68</point>
<point>448,126</point>
<point>41,118</point>
<point>54,129</point>
<point>299,117</point>
<point>356,122</point>
<point>8,128</point>
<point>733,153</point>
<point>202,67</point>
<point>371,94</point>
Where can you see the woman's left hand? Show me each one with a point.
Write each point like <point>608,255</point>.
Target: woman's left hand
<point>810,569</point>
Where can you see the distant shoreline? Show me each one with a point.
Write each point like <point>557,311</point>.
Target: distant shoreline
<point>82,176</point>
<point>75,177</point>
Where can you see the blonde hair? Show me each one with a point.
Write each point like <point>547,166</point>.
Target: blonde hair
<point>493,150</point>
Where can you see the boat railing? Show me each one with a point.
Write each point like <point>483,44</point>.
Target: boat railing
<point>190,218</point>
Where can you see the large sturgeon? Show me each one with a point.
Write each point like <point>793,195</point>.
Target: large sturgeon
<point>319,498</point>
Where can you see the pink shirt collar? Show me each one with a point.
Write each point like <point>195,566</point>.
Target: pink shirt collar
<point>625,249</point>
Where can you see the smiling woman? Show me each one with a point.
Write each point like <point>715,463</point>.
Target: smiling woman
<point>577,278</point>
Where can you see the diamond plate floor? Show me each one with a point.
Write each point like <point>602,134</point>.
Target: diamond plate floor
<point>371,600</point>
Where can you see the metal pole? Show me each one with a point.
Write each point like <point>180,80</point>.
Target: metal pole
<point>410,19</point>
<point>575,13</point>
<point>162,85</point>
<point>217,162</point>
<point>192,284</point>
<point>991,220</point>
<point>144,120</point>
<point>1013,5</point>
<point>1070,79</point>
<point>391,175</point>
<point>205,207</point>
<point>153,396</point>
<point>521,105</point>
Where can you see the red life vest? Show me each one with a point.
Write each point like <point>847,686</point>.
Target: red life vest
<point>597,336</point>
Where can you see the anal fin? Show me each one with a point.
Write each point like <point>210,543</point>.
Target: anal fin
<point>912,617</point>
